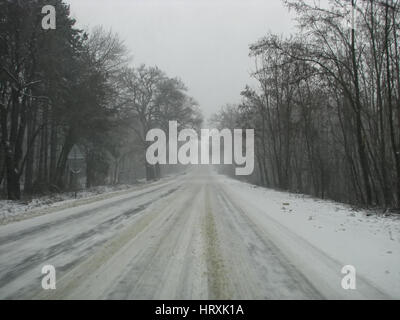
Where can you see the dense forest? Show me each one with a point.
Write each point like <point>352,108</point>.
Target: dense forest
<point>69,88</point>
<point>326,110</point>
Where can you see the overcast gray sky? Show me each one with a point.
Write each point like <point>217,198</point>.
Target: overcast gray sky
<point>203,42</point>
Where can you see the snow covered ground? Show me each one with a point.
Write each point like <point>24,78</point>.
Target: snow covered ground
<point>201,236</point>
<point>320,235</point>
<point>11,211</point>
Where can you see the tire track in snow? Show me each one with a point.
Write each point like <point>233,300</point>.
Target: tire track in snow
<point>218,286</point>
<point>80,215</point>
<point>272,274</point>
<point>113,262</point>
<point>74,243</point>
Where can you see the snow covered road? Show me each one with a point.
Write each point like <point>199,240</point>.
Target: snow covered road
<point>201,236</point>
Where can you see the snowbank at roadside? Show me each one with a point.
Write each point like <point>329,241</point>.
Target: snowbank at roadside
<point>18,210</point>
<point>344,236</point>
<point>11,211</point>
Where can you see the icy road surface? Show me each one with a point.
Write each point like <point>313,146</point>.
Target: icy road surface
<point>201,236</point>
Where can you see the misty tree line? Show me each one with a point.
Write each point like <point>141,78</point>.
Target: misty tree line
<point>66,87</point>
<point>326,110</point>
